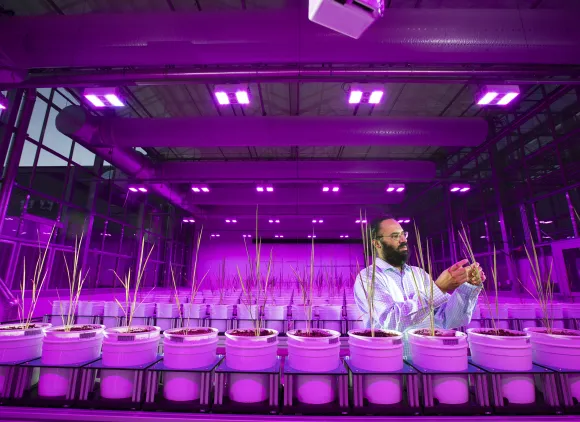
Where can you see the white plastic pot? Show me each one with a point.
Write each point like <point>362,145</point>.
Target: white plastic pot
<point>19,344</point>
<point>354,317</point>
<point>525,312</point>
<point>561,351</point>
<point>192,312</point>
<point>113,314</point>
<point>314,354</point>
<point>88,310</point>
<point>299,317</point>
<point>571,311</point>
<point>378,354</point>
<point>246,315</point>
<point>61,347</point>
<point>443,354</point>
<point>476,315</point>
<point>506,353</point>
<point>219,316</point>
<point>59,312</point>
<point>331,315</point>
<point>165,313</point>
<point>502,314</point>
<point>122,349</point>
<point>186,352</point>
<point>275,315</point>
<point>250,353</point>
<point>143,312</point>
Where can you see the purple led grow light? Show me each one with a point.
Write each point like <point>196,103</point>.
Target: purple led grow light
<point>497,94</point>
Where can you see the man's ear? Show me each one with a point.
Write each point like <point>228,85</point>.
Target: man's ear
<point>376,244</point>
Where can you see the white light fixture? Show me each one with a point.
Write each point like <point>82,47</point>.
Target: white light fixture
<point>395,188</point>
<point>459,187</point>
<point>104,97</point>
<point>366,93</point>
<point>232,94</point>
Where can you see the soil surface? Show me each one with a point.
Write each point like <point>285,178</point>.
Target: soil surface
<point>250,333</point>
<point>18,327</point>
<point>137,330</point>
<point>501,333</point>
<point>79,328</point>
<point>312,333</point>
<point>192,331</point>
<point>438,333</point>
<point>367,333</point>
<point>562,332</point>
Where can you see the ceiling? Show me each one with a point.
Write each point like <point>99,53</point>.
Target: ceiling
<point>302,98</point>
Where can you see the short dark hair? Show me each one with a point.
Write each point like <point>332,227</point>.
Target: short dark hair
<point>376,224</point>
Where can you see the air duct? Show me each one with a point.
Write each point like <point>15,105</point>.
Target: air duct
<point>275,131</point>
<point>297,171</point>
<point>76,122</point>
<point>285,36</point>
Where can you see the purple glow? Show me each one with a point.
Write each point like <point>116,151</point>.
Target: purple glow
<point>143,189</point>
<point>325,189</point>
<point>228,221</point>
<point>454,189</point>
<point>407,221</point>
<point>114,100</point>
<point>335,189</point>
<point>270,221</point>
<point>222,98</point>
<point>132,189</point>
<point>279,236</point>
<point>185,220</point>
<point>487,98</point>
<point>277,221</point>
<point>196,189</point>
<point>464,189</point>
<point>355,97</point>
<point>376,97</point>
<point>234,221</point>
<point>310,236</point>
<point>204,189</point>
<point>269,189</point>
<point>507,98</point>
<point>344,236</point>
<point>546,222</point>
<point>321,221</point>
<point>2,107</point>
<point>215,235</point>
<point>314,221</point>
<point>247,235</point>
<point>400,189</point>
<point>242,97</point>
<point>260,189</point>
<point>498,94</point>
<point>94,100</point>
<point>390,189</point>
<point>359,221</point>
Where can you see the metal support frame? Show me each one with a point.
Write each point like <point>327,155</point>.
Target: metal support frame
<point>10,172</point>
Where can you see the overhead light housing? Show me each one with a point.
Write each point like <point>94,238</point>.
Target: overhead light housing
<point>349,17</point>
<point>232,94</point>
<point>3,102</point>
<point>361,221</point>
<point>459,187</point>
<point>200,188</point>
<point>395,188</point>
<point>103,97</point>
<point>330,188</point>
<point>137,188</point>
<point>366,93</point>
<point>497,94</point>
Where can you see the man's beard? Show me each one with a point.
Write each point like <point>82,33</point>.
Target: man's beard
<point>395,256</point>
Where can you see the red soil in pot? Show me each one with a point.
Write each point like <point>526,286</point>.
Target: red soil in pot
<point>79,328</point>
<point>438,333</point>
<point>312,333</point>
<point>250,333</point>
<point>500,333</point>
<point>19,327</point>
<point>192,331</point>
<point>367,333</point>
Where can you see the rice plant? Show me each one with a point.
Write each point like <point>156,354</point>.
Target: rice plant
<point>37,283</point>
<point>132,303</point>
<point>369,254</point>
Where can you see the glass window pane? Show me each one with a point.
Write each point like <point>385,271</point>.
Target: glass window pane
<point>28,154</point>
<point>38,113</point>
<point>54,139</point>
<point>83,156</point>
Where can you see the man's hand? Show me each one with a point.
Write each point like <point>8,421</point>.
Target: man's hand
<point>475,274</point>
<point>453,277</point>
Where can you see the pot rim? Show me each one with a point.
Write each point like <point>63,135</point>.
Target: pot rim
<point>474,331</point>
<point>399,335</point>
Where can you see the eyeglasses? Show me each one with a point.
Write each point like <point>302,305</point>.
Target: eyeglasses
<point>396,236</point>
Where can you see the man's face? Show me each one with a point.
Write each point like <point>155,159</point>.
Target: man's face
<point>391,243</point>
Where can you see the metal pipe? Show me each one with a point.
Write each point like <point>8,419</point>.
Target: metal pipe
<point>508,75</point>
